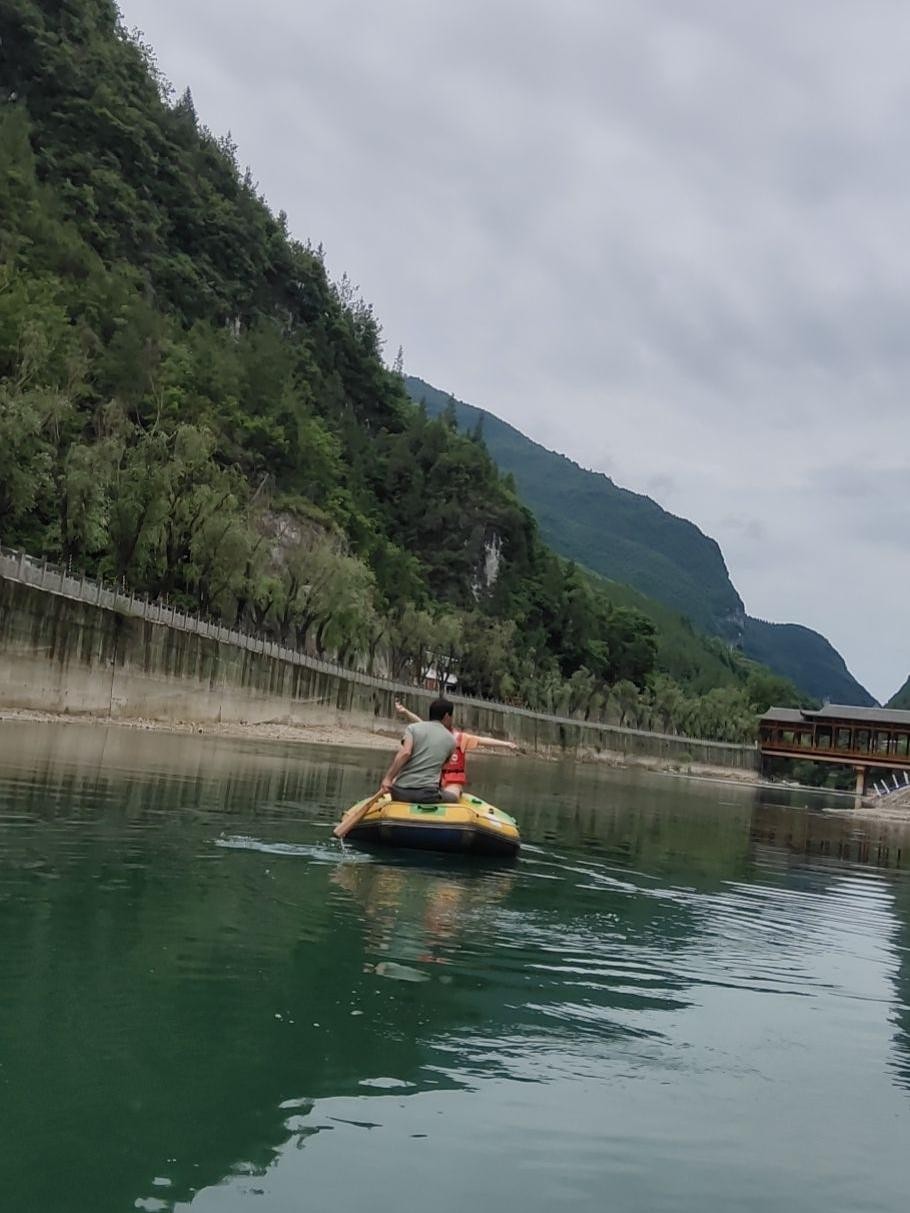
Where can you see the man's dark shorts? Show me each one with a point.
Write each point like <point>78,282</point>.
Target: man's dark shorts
<point>429,795</point>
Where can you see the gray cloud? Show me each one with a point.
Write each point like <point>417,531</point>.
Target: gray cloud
<point>671,237</point>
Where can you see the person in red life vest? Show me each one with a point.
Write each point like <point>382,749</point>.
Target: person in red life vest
<point>454,773</point>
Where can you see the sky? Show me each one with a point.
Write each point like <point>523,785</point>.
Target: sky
<point>668,238</point>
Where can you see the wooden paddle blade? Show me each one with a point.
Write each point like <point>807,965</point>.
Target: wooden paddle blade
<point>355,814</point>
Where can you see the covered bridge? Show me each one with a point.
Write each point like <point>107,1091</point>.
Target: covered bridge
<point>859,737</point>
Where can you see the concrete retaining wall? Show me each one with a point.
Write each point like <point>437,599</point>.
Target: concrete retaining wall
<point>61,654</point>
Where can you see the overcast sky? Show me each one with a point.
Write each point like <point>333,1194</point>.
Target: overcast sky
<point>666,237</point>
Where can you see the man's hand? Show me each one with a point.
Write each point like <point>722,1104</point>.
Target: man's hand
<point>385,786</point>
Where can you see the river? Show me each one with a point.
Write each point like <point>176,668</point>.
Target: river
<point>684,996</point>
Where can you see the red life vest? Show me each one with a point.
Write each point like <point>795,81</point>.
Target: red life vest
<point>454,769</point>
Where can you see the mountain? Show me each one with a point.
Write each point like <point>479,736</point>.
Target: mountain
<point>620,534</point>
<point>901,699</point>
<point>629,538</point>
<point>805,657</point>
<point>696,661</point>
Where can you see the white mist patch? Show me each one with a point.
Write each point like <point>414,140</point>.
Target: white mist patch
<point>397,972</point>
<point>386,1084</point>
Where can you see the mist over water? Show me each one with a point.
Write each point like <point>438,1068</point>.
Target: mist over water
<point>682,996</point>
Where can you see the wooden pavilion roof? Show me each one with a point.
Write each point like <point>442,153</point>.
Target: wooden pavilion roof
<point>838,711</point>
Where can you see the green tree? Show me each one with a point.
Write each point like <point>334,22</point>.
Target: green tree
<point>626,698</point>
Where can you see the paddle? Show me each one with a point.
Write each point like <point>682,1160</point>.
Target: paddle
<point>352,816</point>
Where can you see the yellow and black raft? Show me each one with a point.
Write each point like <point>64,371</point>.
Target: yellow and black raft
<point>469,826</point>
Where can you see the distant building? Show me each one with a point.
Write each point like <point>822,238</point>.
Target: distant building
<point>434,681</point>
<point>859,737</point>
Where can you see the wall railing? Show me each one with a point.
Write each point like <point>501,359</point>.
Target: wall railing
<point>52,578</point>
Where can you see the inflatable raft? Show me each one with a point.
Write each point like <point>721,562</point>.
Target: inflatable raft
<point>468,826</point>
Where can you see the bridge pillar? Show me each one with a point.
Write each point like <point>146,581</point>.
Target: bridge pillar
<point>861,780</point>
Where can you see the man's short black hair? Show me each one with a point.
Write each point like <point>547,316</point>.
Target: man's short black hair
<point>440,708</point>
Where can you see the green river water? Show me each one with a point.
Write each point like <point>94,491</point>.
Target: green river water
<point>683,996</point>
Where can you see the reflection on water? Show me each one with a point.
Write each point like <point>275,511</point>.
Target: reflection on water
<point>418,915</point>
<point>679,997</point>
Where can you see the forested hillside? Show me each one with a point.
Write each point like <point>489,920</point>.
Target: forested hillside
<point>188,404</point>
<point>901,699</point>
<point>631,539</point>
<point>811,661</point>
<point>621,535</point>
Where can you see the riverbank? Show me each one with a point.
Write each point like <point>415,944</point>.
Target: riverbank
<point>384,740</point>
<point>70,649</point>
<point>351,737</point>
<point>336,735</point>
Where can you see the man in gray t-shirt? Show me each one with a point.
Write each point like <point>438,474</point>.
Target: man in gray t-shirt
<point>417,767</point>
